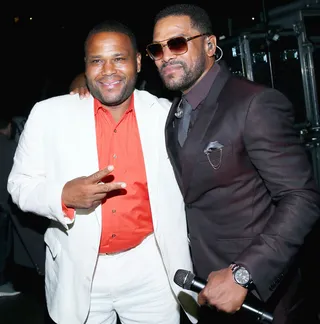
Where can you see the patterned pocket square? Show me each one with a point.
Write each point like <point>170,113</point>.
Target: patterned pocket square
<point>213,151</point>
<point>213,146</point>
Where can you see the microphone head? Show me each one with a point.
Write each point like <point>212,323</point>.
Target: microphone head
<point>184,278</point>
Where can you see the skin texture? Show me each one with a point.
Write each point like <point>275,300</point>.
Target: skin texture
<point>111,70</point>
<point>181,72</point>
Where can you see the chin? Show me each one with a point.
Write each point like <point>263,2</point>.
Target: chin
<point>169,82</point>
<point>174,85</point>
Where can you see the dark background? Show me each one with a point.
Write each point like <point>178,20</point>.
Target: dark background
<point>43,42</point>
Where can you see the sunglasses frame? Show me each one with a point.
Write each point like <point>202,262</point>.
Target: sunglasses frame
<point>187,39</point>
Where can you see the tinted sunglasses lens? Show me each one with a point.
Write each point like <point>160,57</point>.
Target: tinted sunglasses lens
<point>155,51</point>
<point>178,45</point>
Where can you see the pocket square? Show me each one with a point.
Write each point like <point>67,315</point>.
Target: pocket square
<point>213,146</point>
<point>213,151</point>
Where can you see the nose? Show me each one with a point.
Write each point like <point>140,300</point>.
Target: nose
<point>167,54</point>
<point>108,68</point>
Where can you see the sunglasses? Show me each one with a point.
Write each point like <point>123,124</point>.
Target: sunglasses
<point>177,46</point>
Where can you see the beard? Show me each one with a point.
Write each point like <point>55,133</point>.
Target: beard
<point>188,78</point>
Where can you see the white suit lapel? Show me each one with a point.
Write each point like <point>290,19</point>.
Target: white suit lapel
<point>86,149</point>
<point>149,128</point>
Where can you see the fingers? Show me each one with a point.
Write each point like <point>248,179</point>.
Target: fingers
<point>107,187</point>
<point>95,204</point>
<point>101,187</point>
<point>83,92</point>
<point>201,299</point>
<point>99,196</point>
<point>98,176</point>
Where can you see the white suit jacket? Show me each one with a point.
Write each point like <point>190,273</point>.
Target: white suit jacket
<point>58,144</point>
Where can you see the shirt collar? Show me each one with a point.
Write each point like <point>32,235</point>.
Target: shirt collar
<point>200,91</point>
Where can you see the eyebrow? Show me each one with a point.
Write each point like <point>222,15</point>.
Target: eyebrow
<point>117,54</point>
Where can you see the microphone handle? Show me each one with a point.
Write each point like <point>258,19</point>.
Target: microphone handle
<point>198,284</point>
<point>263,316</point>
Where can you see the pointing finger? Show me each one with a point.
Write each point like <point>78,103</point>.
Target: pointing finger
<point>98,176</point>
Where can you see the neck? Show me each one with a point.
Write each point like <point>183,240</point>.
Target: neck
<point>118,111</point>
<point>200,78</point>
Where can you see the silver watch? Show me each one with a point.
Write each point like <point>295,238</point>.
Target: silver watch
<point>241,275</point>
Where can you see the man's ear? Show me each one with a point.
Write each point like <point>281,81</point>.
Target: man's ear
<point>138,62</point>
<point>211,45</point>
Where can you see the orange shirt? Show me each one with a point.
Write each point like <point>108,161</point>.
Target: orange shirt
<point>126,218</point>
<point>126,215</point>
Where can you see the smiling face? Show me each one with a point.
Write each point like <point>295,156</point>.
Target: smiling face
<point>112,65</point>
<point>181,72</point>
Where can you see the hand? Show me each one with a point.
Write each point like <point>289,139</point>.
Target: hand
<point>87,192</point>
<point>223,292</point>
<point>79,86</point>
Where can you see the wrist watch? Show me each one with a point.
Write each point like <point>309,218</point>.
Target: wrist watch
<point>241,275</point>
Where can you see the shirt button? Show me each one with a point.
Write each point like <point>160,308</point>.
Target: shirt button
<point>114,130</point>
<point>113,235</point>
<point>114,156</point>
<point>114,211</point>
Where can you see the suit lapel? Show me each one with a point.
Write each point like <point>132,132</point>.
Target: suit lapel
<point>148,125</point>
<point>147,119</point>
<point>196,141</point>
<point>85,152</point>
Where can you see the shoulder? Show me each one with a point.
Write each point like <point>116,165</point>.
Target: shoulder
<point>247,91</point>
<point>242,87</point>
<point>60,102</point>
<point>57,111</point>
<point>59,106</point>
<point>150,99</point>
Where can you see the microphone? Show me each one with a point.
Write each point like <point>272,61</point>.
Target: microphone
<point>187,280</point>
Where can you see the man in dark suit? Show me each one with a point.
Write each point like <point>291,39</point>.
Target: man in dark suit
<point>250,196</point>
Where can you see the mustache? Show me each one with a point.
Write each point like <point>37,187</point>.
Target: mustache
<point>164,65</point>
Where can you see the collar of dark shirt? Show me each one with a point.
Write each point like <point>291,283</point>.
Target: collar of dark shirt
<point>199,92</point>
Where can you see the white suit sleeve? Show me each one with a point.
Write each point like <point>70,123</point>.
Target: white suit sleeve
<point>28,182</point>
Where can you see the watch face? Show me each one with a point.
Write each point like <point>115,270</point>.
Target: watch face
<point>242,276</point>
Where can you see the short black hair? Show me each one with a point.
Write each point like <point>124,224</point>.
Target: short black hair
<point>112,26</point>
<point>200,19</point>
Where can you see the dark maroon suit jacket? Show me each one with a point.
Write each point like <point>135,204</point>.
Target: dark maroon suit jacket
<point>254,201</point>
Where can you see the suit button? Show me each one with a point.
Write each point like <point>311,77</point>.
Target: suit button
<point>272,286</point>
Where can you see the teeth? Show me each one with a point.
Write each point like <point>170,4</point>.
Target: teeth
<point>108,84</point>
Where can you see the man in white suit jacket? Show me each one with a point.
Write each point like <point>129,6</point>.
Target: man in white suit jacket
<point>58,144</point>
